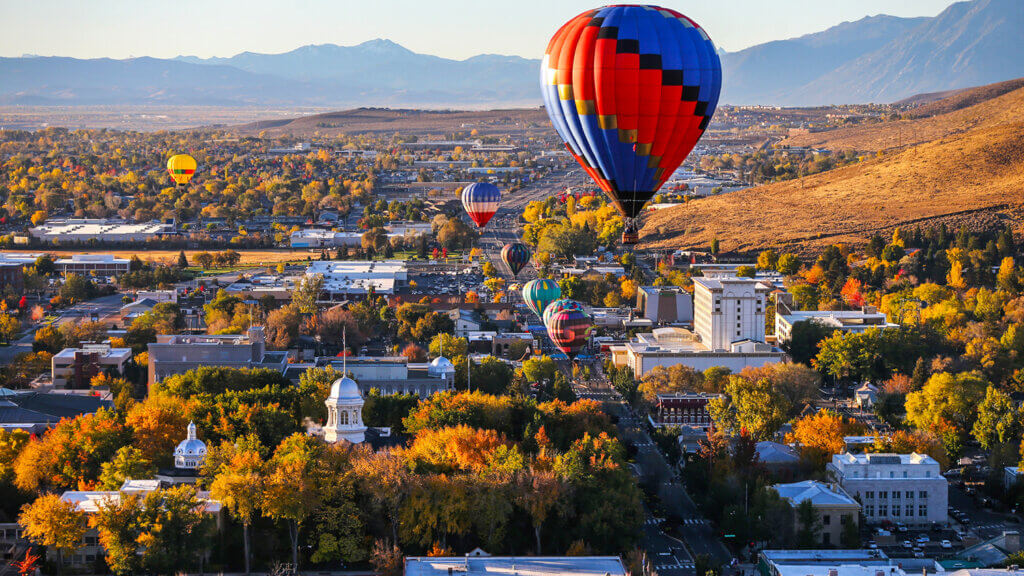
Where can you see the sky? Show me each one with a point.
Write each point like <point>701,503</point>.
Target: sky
<point>448,28</point>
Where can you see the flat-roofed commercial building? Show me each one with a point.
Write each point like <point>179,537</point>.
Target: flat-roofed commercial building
<point>178,353</point>
<point>471,565</point>
<point>907,488</point>
<point>98,264</point>
<point>346,278</point>
<point>104,230</point>
<point>667,347</point>
<point>854,321</point>
<point>75,367</point>
<point>684,409</point>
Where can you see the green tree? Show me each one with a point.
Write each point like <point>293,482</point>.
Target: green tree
<point>238,485</point>
<point>997,421</point>
<point>767,259</point>
<point>290,490</point>
<point>306,294</point>
<point>182,260</point>
<point>746,272</point>
<point>808,533</point>
<point>788,264</point>
<point>128,463</point>
<point>753,405</point>
<point>804,339</point>
<point>539,369</point>
<point>947,402</point>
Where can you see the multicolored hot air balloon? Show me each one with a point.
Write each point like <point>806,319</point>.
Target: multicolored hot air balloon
<point>558,306</point>
<point>516,256</point>
<point>630,89</point>
<point>181,167</point>
<point>539,293</point>
<point>568,329</point>
<point>481,199</point>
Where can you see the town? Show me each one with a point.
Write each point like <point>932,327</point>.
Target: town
<point>594,337</point>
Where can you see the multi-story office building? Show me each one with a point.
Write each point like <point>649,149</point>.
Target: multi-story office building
<point>727,310</point>
<point>684,409</point>
<point>99,264</point>
<point>179,353</point>
<point>901,488</point>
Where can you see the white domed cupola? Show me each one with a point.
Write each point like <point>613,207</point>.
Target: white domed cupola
<point>345,412</point>
<point>191,452</point>
<point>441,367</point>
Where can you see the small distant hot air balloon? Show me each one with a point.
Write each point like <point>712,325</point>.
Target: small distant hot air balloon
<point>630,90</point>
<point>516,255</point>
<point>181,167</point>
<point>568,330</point>
<point>481,199</point>
<point>539,293</point>
<point>558,306</point>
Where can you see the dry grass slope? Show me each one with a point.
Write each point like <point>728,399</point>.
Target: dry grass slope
<point>387,121</point>
<point>994,106</point>
<point>974,178</point>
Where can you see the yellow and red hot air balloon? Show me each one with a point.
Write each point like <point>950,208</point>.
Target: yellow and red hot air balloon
<point>181,167</point>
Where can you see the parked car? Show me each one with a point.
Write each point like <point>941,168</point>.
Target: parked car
<point>923,539</point>
<point>901,528</point>
<point>946,544</point>
<point>918,553</point>
<point>907,544</point>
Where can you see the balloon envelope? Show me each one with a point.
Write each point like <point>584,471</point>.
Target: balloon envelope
<point>516,256</point>
<point>481,199</point>
<point>539,293</point>
<point>630,89</point>
<point>181,167</point>
<point>558,306</point>
<point>568,330</point>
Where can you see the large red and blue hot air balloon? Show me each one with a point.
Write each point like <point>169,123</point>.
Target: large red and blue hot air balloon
<point>481,199</point>
<point>516,256</point>
<point>558,306</point>
<point>630,89</point>
<point>568,329</point>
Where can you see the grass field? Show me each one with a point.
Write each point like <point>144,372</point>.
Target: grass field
<point>249,257</point>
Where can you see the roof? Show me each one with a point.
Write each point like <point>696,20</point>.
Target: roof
<point>818,493</point>
<point>808,557</point>
<point>774,453</point>
<point>515,565</point>
<point>884,459</point>
<point>12,414</point>
<point>60,405</point>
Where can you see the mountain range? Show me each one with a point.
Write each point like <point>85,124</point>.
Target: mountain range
<point>875,59</point>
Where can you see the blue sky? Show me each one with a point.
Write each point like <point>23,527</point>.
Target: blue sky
<point>449,28</point>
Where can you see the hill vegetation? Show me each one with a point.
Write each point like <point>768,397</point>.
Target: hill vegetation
<point>969,170</point>
<point>390,121</point>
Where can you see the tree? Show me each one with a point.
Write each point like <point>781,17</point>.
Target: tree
<point>387,559</point>
<point>283,327</point>
<point>808,533</point>
<point>11,443</point>
<point>182,260</point>
<point>746,272</point>
<point>10,326</point>
<point>539,369</point>
<point>539,493</point>
<point>158,423</point>
<point>306,294</point>
<point>290,490</point>
<point>386,478</point>
<point>767,259</point>
<point>821,435</point>
<point>754,405</point>
<point>947,401</point>
<point>50,521</point>
<point>788,264</point>
<point>204,259</point>
<point>128,463</point>
<point>71,455</point>
<point>997,421</point>
<point>238,484</point>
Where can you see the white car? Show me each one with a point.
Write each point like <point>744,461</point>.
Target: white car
<point>907,544</point>
<point>946,544</point>
<point>923,539</point>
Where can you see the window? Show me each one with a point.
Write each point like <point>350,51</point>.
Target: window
<point>896,510</point>
<point>892,474</point>
<point>910,493</point>
<point>883,495</point>
<point>883,510</point>
<point>869,510</point>
<point>922,510</point>
<point>910,509</point>
<point>895,494</point>
<point>904,473</point>
<point>922,494</point>
<point>826,519</point>
<point>870,495</point>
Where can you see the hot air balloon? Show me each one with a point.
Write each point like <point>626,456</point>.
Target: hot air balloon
<point>568,329</point>
<point>539,293</point>
<point>481,199</point>
<point>515,255</point>
<point>181,167</point>
<point>558,306</point>
<point>630,89</point>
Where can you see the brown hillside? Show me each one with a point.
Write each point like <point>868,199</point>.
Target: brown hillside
<point>383,120</point>
<point>975,178</point>
<point>998,109</point>
<point>960,99</point>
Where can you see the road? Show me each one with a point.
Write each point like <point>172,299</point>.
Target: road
<point>669,555</point>
<point>102,308</point>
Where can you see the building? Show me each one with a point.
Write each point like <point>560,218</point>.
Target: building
<point>665,304</point>
<point>853,321</point>
<point>902,488</point>
<point>836,510</point>
<point>344,279</point>
<point>103,230</point>
<point>317,238</point>
<point>75,367</point>
<point>482,565</point>
<point>465,321</point>
<point>728,310</point>
<point>189,456</point>
<point>12,274</point>
<point>178,353</point>
<point>35,412</point>
<point>344,412</point>
<point>686,409</point>
<point>668,347</point>
<point>391,374</point>
<point>89,502</point>
<point>827,562</point>
<point>92,264</point>
<point>781,460</point>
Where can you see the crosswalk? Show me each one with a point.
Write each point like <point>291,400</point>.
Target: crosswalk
<point>687,521</point>
<point>679,566</point>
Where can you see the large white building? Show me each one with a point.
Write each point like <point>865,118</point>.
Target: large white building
<point>728,310</point>
<point>483,565</point>
<point>75,367</point>
<point>104,230</point>
<point>853,321</point>
<point>668,347</point>
<point>344,278</point>
<point>899,488</point>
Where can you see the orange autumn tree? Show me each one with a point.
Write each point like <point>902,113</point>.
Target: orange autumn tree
<point>821,435</point>
<point>851,292</point>
<point>159,424</point>
<point>453,449</point>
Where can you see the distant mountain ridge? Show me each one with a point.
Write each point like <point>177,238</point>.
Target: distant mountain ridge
<point>875,59</point>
